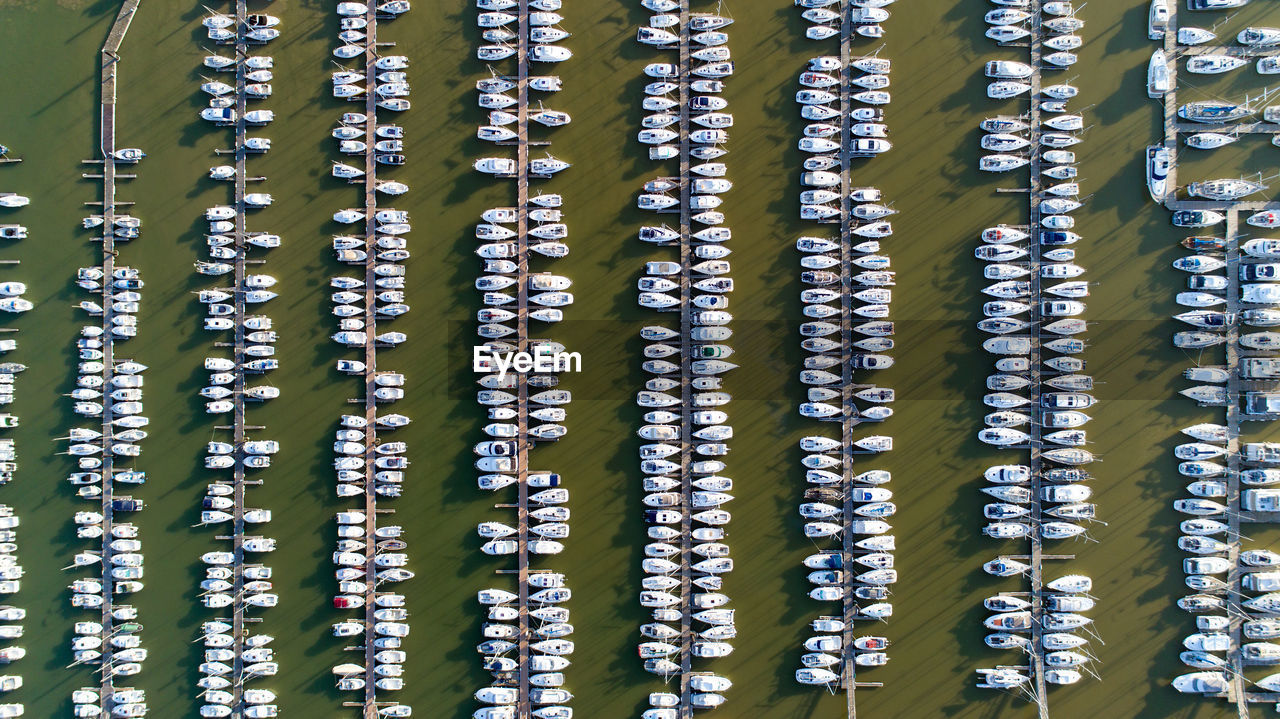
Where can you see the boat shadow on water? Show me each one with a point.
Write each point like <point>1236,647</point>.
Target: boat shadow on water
<point>195,416</point>
<point>1117,107</point>
<point>967,631</point>
<point>626,669</point>
<point>1161,559</point>
<point>961,23</point>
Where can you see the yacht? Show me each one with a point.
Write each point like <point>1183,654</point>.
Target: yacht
<point>1006,16</point>
<point>496,165</point>
<point>547,165</point>
<point>1210,111</point>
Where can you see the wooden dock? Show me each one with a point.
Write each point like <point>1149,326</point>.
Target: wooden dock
<point>685,64</point>
<point>369,707</point>
<point>849,414</point>
<point>686,457</point>
<point>524,708</point>
<point>1036,184</point>
<point>109,60</point>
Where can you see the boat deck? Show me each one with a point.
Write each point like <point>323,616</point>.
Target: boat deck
<point>1035,576</point>
<point>1038,373</point>
<point>1174,126</point>
<point>237,616</point>
<point>110,58</point>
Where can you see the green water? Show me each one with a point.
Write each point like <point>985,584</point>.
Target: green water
<point>49,52</point>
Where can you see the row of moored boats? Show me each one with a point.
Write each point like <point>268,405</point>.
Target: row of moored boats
<point>847,281</point>
<point>370,558</point>
<point>1033,313</point>
<point>523,405</point>
<point>108,394</point>
<point>686,430</point>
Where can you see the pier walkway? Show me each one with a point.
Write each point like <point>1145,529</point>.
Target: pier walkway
<point>684,63</point>
<point>524,628</point>
<point>110,206</point>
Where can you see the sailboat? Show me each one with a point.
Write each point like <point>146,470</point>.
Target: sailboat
<point>1224,189</point>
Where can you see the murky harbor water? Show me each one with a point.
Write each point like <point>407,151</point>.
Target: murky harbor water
<point>48,115</point>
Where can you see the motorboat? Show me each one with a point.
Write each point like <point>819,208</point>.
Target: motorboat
<point>1001,678</point>
<point>1158,164</point>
